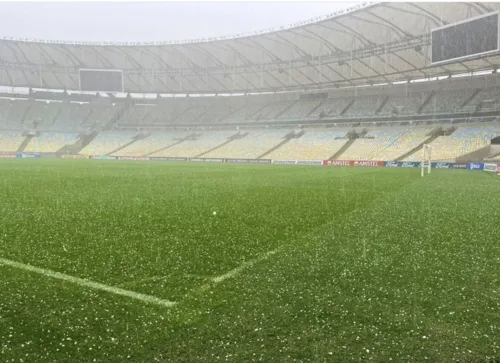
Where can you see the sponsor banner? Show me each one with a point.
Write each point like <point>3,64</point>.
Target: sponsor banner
<point>392,164</point>
<point>368,163</point>
<point>442,165</point>
<point>460,166</point>
<point>167,159</point>
<point>309,162</point>
<point>284,162</point>
<point>7,156</point>
<point>475,166</point>
<point>134,158</point>
<point>102,157</point>
<point>259,161</point>
<point>206,160</point>
<point>74,157</point>
<point>402,164</point>
<point>411,164</point>
<point>338,162</point>
<point>248,161</point>
<point>27,156</point>
<point>490,167</point>
<point>237,161</point>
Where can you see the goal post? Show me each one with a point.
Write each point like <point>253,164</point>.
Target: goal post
<point>426,159</point>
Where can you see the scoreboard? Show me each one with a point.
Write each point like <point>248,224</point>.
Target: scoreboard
<point>472,37</point>
<point>103,80</point>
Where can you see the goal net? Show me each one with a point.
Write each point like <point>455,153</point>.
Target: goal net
<point>426,160</point>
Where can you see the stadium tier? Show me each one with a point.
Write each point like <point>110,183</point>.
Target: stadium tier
<point>196,144</point>
<point>50,142</point>
<point>463,141</point>
<point>10,141</point>
<point>251,146</point>
<point>371,145</point>
<point>107,142</point>
<point>407,141</point>
<point>151,144</point>
<point>313,145</point>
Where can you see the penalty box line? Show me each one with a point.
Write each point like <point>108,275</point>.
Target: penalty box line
<point>88,283</point>
<point>242,267</point>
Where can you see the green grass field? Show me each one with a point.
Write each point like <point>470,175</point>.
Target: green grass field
<point>300,264</point>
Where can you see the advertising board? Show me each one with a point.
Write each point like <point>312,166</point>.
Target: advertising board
<point>74,157</point>
<point>102,157</point>
<point>206,160</point>
<point>368,163</point>
<point>134,158</point>
<point>442,165</point>
<point>490,167</point>
<point>338,162</point>
<point>475,166</point>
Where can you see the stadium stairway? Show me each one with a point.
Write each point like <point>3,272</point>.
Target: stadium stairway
<point>136,138</point>
<point>478,155</point>
<point>339,153</point>
<point>117,116</point>
<point>433,136</point>
<point>426,102</point>
<point>169,146</point>
<point>25,142</point>
<point>286,109</point>
<point>82,141</point>
<point>382,105</point>
<point>315,108</point>
<point>343,112</point>
<point>468,100</point>
<point>230,139</point>
<point>494,151</point>
<point>287,139</point>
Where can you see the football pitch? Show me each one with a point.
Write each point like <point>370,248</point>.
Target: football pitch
<point>127,262</point>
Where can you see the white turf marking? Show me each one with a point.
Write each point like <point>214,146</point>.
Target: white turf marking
<point>243,266</point>
<point>88,283</point>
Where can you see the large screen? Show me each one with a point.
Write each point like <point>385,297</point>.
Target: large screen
<point>465,39</point>
<point>104,80</point>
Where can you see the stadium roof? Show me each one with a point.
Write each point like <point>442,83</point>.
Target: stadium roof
<point>369,44</point>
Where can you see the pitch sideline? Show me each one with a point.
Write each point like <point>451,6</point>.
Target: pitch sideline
<point>88,283</point>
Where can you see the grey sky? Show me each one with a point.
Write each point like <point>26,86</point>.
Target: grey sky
<point>143,21</point>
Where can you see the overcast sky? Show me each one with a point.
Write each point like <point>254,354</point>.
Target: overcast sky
<point>143,21</point>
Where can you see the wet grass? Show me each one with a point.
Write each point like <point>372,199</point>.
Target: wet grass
<point>371,264</point>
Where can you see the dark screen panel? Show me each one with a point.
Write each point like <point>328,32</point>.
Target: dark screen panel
<point>101,80</point>
<point>465,39</point>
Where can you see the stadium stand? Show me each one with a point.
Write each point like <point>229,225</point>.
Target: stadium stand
<point>251,146</point>
<point>409,140</point>
<point>50,142</point>
<point>364,106</point>
<point>299,109</point>
<point>10,140</point>
<point>152,143</point>
<point>449,101</point>
<point>313,145</point>
<point>463,141</point>
<point>199,144</point>
<point>373,144</point>
<point>12,113</point>
<point>107,142</point>
<point>70,118</point>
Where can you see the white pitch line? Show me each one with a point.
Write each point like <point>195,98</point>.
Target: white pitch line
<point>243,266</point>
<point>88,283</point>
